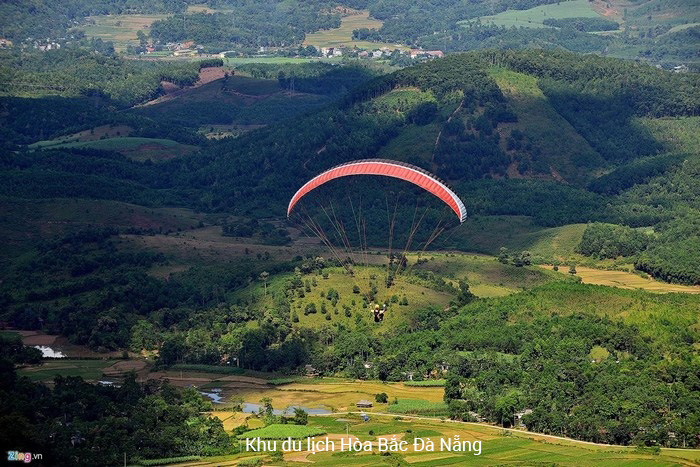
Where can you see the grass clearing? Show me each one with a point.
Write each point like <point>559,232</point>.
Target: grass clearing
<point>244,101</point>
<point>136,148</point>
<point>413,142</point>
<point>534,17</point>
<point>418,295</point>
<point>120,29</point>
<point>28,221</point>
<point>487,234</point>
<point>93,134</point>
<point>484,274</point>
<point>342,36</point>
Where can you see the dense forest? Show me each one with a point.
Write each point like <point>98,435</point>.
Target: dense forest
<point>368,117</point>
<point>250,24</point>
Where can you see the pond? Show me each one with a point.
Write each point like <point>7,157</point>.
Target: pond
<point>217,398</point>
<point>214,395</point>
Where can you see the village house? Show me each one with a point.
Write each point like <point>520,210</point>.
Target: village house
<point>415,53</point>
<point>519,418</point>
<point>364,404</point>
<point>309,370</point>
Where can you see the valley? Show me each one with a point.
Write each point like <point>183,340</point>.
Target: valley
<point>228,220</point>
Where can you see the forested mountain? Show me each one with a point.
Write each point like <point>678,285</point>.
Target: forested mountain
<point>468,106</point>
<point>190,260</point>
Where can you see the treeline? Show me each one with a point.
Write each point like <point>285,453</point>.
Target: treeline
<point>78,71</point>
<point>611,241</point>
<point>262,231</point>
<point>131,421</point>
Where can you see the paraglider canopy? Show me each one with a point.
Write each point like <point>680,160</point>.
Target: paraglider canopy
<point>386,168</point>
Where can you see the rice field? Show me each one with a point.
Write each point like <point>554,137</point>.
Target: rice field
<point>628,280</point>
<point>496,446</point>
<point>426,383</point>
<point>419,407</point>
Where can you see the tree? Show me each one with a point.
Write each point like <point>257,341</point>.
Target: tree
<point>301,417</point>
<point>572,269</point>
<point>464,295</point>
<point>503,255</point>
<point>263,277</point>
<point>381,398</point>
<point>266,407</point>
<point>143,39</point>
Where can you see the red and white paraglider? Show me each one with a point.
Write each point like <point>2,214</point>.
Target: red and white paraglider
<point>385,168</point>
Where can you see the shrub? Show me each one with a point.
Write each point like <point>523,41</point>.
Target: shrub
<point>252,462</point>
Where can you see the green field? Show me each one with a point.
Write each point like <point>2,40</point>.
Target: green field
<point>534,17</point>
<point>419,407</point>
<point>109,144</point>
<point>342,36</point>
<point>426,383</point>
<point>90,370</point>
<point>28,221</point>
<point>240,101</point>
<point>140,149</point>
